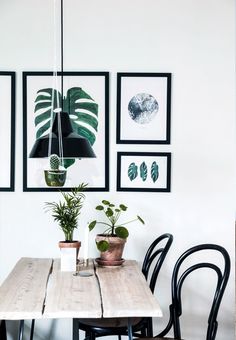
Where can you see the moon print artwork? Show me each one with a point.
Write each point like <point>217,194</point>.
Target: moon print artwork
<point>142,108</point>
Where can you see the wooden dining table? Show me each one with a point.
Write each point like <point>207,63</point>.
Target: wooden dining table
<point>36,288</point>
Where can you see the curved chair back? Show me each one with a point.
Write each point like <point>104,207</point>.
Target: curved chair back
<point>177,283</point>
<point>157,253</point>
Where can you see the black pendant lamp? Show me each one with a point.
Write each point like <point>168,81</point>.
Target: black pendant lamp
<point>62,140</point>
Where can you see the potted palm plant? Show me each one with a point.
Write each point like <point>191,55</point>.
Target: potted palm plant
<point>66,213</point>
<point>112,241</point>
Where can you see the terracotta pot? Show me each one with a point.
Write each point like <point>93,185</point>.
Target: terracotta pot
<point>116,247</point>
<point>70,244</point>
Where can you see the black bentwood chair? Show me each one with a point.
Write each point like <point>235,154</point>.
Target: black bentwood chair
<point>3,332</point>
<point>177,282</point>
<point>154,259</point>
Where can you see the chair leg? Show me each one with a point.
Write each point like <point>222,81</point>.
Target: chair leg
<point>149,328</point>
<point>75,329</point>
<point>3,331</point>
<point>119,337</point>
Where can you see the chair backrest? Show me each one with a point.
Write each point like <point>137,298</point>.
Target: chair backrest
<point>155,256</point>
<point>177,283</point>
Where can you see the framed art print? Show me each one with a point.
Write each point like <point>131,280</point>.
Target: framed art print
<point>86,97</point>
<point>143,108</point>
<point>7,130</point>
<point>143,171</point>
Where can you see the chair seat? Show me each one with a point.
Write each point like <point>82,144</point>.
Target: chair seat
<point>109,322</point>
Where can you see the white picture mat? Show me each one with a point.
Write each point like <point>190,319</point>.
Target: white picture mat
<point>156,129</point>
<point>91,171</point>
<point>161,182</point>
<point>5,130</point>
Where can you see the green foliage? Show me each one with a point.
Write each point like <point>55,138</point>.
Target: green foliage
<point>112,227</point>
<point>82,109</point>
<point>154,171</point>
<point>143,171</point>
<point>66,212</point>
<point>132,171</point>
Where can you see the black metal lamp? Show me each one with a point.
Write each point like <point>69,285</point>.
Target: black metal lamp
<point>62,140</point>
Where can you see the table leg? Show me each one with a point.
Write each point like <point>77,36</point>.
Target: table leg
<point>130,331</point>
<point>21,330</point>
<point>75,335</point>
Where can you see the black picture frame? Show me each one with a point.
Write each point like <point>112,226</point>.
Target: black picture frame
<point>153,90</point>
<point>98,82</point>
<point>156,166</point>
<point>7,130</point>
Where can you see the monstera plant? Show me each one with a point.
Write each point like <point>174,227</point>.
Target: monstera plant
<point>82,109</point>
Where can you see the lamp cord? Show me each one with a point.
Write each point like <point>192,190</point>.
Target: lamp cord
<point>62,53</point>
<point>55,86</point>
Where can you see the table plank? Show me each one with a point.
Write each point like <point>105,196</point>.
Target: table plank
<point>70,296</point>
<point>125,292</point>
<point>22,294</point>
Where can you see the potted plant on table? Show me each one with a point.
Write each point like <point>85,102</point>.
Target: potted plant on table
<point>66,213</point>
<point>112,241</point>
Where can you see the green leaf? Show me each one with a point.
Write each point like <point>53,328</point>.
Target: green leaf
<point>102,245</point>
<point>99,207</point>
<point>106,202</point>
<point>121,232</point>
<point>92,225</point>
<point>68,162</point>
<point>111,205</point>
<point>123,207</point>
<point>132,171</point>
<point>109,212</point>
<point>140,219</point>
<point>143,171</point>
<point>154,171</point>
<point>117,210</point>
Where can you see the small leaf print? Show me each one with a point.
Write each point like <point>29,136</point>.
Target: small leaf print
<point>143,171</point>
<point>154,171</point>
<point>132,171</point>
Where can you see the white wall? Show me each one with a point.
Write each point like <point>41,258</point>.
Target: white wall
<point>192,39</point>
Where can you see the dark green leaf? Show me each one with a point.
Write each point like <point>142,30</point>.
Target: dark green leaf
<point>68,162</point>
<point>103,245</point>
<point>89,106</point>
<point>121,232</point>
<point>141,220</point>
<point>143,171</point>
<point>109,212</point>
<point>92,225</point>
<point>132,171</point>
<point>106,202</point>
<point>111,205</point>
<point>85,118</point>
<point>154,171</point>
<point>99,207</point>
<point>117,210</point>
<point>123,207</point>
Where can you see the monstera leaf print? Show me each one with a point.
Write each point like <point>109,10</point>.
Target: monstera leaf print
<point>154,171</point>
<point>82,109</point>
<point>143,171</point>
<point>132,171</point>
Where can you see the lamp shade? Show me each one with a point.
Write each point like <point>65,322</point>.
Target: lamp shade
<point>73,145</point>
